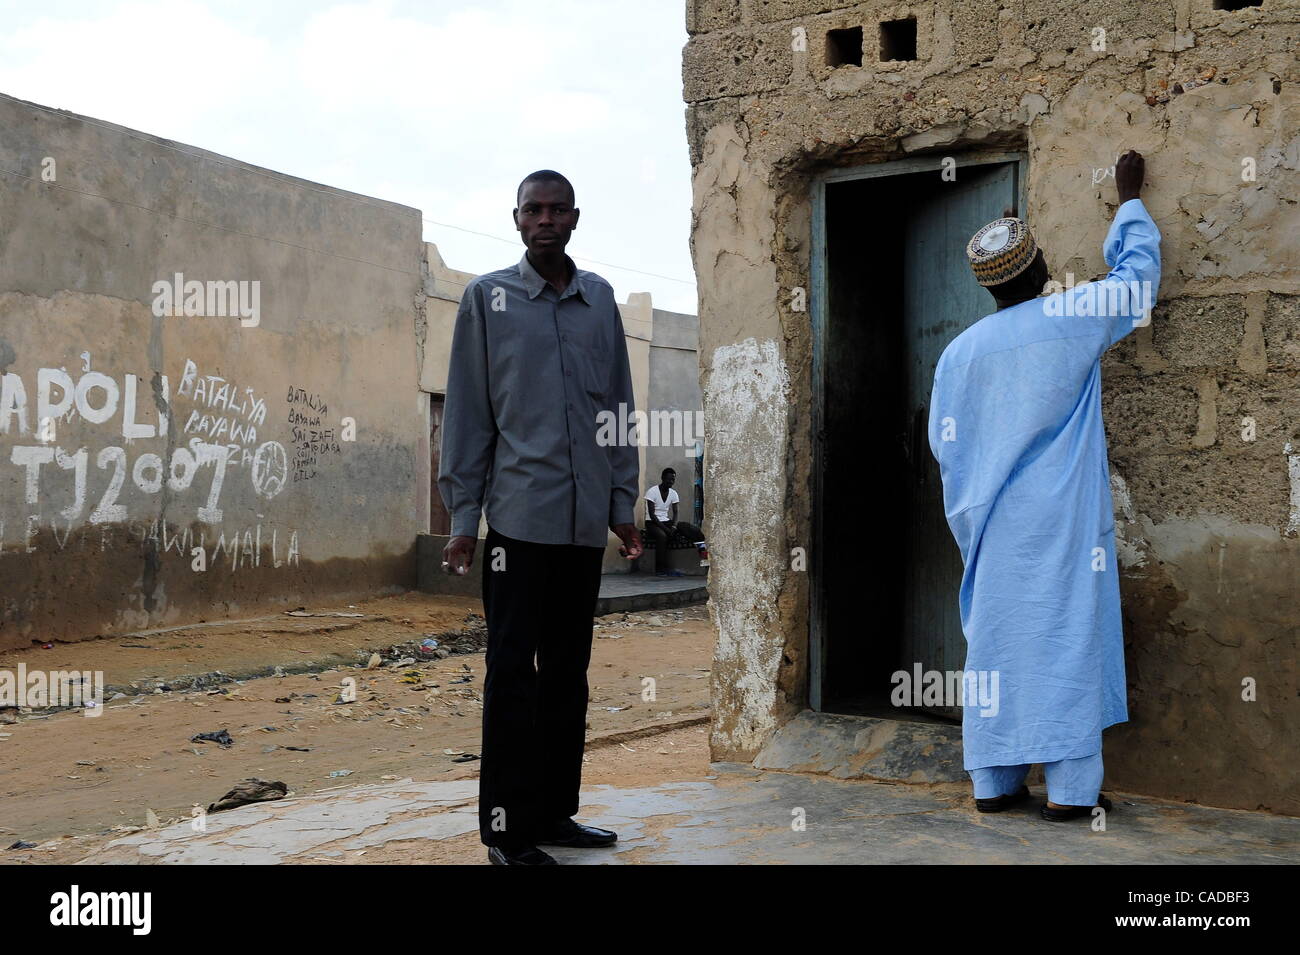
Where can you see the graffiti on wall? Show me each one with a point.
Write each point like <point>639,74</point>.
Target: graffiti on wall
<point>312,439</point>
<point>89,493</point>
<point>221,409</point>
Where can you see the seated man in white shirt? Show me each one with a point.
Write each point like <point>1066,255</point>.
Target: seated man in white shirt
<point>661,522</point>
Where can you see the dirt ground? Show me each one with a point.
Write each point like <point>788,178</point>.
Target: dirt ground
<point>72,782</point>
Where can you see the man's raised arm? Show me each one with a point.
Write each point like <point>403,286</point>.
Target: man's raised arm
<point>1132,251</point>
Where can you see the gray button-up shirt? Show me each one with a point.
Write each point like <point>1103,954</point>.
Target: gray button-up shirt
<point>530,371</point>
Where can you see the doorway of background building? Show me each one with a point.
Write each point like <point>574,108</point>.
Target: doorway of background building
<point>439,519</point>
<point>891,289</point>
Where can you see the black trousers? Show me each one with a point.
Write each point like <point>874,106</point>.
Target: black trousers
<point>656,535</point>
<point>539,601</point>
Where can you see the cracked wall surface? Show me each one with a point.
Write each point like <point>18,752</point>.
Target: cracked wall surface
<point>159,468</point>
<point>1201,407</point>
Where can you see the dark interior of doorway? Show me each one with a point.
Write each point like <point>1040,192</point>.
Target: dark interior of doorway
<point>869,437</point>
<point>439,519</point>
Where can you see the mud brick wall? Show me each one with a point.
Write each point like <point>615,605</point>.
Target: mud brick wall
<point>1202,407</point>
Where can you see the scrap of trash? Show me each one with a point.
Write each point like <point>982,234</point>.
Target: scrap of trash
<point>1168,90</point>
<point>221,737</point>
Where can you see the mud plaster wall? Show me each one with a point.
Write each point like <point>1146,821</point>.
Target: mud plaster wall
<point>1202,407</point>
<point>283,509</point>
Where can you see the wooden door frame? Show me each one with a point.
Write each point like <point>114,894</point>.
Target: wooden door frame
<point>817,306</point>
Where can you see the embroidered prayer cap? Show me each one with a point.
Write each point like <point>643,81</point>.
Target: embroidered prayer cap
<point>1001,250</point>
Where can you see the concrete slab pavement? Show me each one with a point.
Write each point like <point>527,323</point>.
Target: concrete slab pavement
<point>738,816</point>
<point>642,591</point>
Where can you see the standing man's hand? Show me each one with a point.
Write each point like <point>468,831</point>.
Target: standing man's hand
<point>627,533</point>
<point>1129,171</point>
<point>458,555</point>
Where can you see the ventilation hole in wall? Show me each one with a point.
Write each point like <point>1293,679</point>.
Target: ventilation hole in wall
<point>1236,4</point>
<point>844,47</point>
<point>898,40</point>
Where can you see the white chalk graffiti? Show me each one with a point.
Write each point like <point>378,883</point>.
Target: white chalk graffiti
<point>224,411</point>
<point>1102,173</point>
<point>75,398</point>
<point>81,496</point>
<point>270,469</point>
<point>97,398</point>
<point>246,547</point>
<point>146,474</point>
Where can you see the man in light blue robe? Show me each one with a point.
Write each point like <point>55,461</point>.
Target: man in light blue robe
<point>1015,424</point>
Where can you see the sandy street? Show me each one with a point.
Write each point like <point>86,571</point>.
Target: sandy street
<point>72,782</point>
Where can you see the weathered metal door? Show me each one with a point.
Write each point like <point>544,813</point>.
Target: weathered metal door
<point>941,299</point>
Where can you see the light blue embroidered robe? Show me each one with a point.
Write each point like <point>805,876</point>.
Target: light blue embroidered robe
<point>1015,424</point>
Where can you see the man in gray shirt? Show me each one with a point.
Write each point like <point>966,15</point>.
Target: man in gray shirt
<point>537,354</point>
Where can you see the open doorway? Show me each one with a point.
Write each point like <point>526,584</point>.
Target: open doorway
<point>891,289</point>
<point>439,519</point>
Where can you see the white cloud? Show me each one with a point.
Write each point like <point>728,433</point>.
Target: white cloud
<point>441,106</point>
<point>156,66</point>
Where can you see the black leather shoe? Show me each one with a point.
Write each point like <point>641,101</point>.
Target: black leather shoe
<point>576,836</point>
<point>519,855</point>
<point>1066,813</point>
<point>999,803</point>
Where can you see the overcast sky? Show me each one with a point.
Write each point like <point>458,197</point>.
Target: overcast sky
<point>439,105</point>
